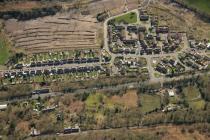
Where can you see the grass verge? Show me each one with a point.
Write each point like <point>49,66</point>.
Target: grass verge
<point>127,18</point>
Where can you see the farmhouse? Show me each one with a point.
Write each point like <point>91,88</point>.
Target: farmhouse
<point>34,132</point>
<point>170,107</point>
<point>171,93</point>
<point>3,107</point>
<point>208,46</point>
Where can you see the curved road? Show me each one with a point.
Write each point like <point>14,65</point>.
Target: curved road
<point>147,57</point>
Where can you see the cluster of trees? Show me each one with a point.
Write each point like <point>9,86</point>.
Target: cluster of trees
<point>178,117</point>
<point>99,83</point>
<point>202,82</point>
<point>14,58</point>
<point>112,117</point>
<point>15,92</point>
<point>19,118</point>
<point>102,16</point>
<point>118,117</point>
<point>30,14</point>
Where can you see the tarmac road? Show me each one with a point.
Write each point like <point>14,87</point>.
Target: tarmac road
<point>147,57</point>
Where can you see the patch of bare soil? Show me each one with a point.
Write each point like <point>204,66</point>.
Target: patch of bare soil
<point>69,104</point>
<point>26,5</point>
<point>23,126</point>
<point>113,6</point>
<point>76,106</point>
<point>129,99</point>
<point>64,31</point>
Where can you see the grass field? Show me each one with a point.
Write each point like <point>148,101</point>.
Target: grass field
<point>94,100</point>
<point>4,52</point>
<point>127,18</point>
<point>201,5</point>
<point>197,105</point>
<point>99,101</point>
<point>191,93</point>
<point>149,102</point>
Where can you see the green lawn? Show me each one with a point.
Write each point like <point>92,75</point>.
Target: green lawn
<point>191,92</point>
<point>192,97</point>
<point>149,102</point>
<point>197,105</point>
<point>201,5</point>
<point>4,52</point>
<point>127,18</point>
<point>94,100</point>
<point>157,75</point>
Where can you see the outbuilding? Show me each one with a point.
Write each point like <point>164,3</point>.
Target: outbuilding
<point>3,107</point>
<point>171,93</point>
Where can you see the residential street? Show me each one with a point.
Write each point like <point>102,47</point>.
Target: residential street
<point>147,57</point>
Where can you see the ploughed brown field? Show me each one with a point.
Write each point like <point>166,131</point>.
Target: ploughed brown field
<point>63,31</point>
<point>56,33</point>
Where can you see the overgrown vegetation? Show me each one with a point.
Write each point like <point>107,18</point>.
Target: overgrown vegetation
<point>107,109</point>
<point>201,5</point>
<point>156,133</point>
